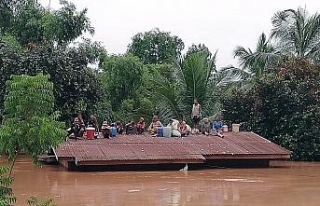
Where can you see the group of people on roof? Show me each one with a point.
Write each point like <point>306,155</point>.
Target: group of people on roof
<point>178,128</point>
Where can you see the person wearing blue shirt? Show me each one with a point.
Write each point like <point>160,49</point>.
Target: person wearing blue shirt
<point>217,127</point>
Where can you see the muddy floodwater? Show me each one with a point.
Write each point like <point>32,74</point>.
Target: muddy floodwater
<point>283,184</point>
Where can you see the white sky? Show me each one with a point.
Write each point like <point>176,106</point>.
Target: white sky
<point>219,24</point>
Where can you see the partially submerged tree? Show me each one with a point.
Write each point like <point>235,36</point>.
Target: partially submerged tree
<point>6,193</point>
<point>29,123</point>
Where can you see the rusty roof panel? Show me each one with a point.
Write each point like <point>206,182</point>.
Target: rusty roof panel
<point>144,148</point>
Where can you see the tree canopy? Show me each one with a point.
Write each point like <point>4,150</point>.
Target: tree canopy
<point>156,47</point>
<point>29,120</point>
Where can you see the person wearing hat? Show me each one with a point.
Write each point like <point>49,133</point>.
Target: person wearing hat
<point>205,126</point>
<point>105,129</point>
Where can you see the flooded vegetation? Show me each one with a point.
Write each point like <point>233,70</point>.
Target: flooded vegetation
<point>284,183</point>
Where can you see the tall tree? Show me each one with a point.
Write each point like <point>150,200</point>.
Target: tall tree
<point>156,47</point>
<point>297,34</point>
<point>8,10</point>
<point>27,24</point>
<point>194,78</point>
<point>31,23</point>
<point>122,76</point>
<point>253,64</point>
<point>73,81</point>
<point>263,57</point>
<point>29,123</point>
<point>68,24</point>
<point>281,107</point>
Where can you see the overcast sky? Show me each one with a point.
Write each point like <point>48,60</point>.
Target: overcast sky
<point>219,24</point>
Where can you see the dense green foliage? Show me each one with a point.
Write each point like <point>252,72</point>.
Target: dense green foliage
<point>35,40</point>
<point>29,123</point>
<point>154,77</point>
<point>73,81</point>
<point>282,102</point>
<point>156,47</point>
<point>30,23</point>
<point>123,76</point>
<point>6,193</point>
<point>283,107</point>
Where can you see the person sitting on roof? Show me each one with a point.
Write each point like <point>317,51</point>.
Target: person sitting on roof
<point>80,119</point>
<point>174,128</point>
<point>155,124</point>
<point>131,128</point>
<point>73,130</point>
<point>119,127</point>
<point>113,130</point>
<point>217,127</point>
<point>78,126</point>
<point>105,130</point>
<point>92,122</point>
<point>141,125</point>
<point>182,128</point>
<point>188,128</point>
<point>206,126</point>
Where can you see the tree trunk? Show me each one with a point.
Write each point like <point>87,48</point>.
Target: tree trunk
<point>12,164</point>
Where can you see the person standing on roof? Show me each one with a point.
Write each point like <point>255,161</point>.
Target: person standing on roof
<point>196,115</point>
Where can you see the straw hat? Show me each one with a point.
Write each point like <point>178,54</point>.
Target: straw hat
<point>105,125</point>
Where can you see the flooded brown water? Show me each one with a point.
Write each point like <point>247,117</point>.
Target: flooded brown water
<point>287,184</point>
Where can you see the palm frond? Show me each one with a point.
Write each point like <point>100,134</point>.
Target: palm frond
<point>232,76</point>
<point>296,33</point>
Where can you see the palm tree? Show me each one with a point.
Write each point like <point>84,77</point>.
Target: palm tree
<point>193,78</point>
<point>264,56</point>
<point>252,64</point>
<point>297,34</point>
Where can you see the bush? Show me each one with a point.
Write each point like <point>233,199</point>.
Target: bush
<point>283,108</point>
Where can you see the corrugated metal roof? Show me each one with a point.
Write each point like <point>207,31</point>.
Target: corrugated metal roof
<point>144,149</point>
